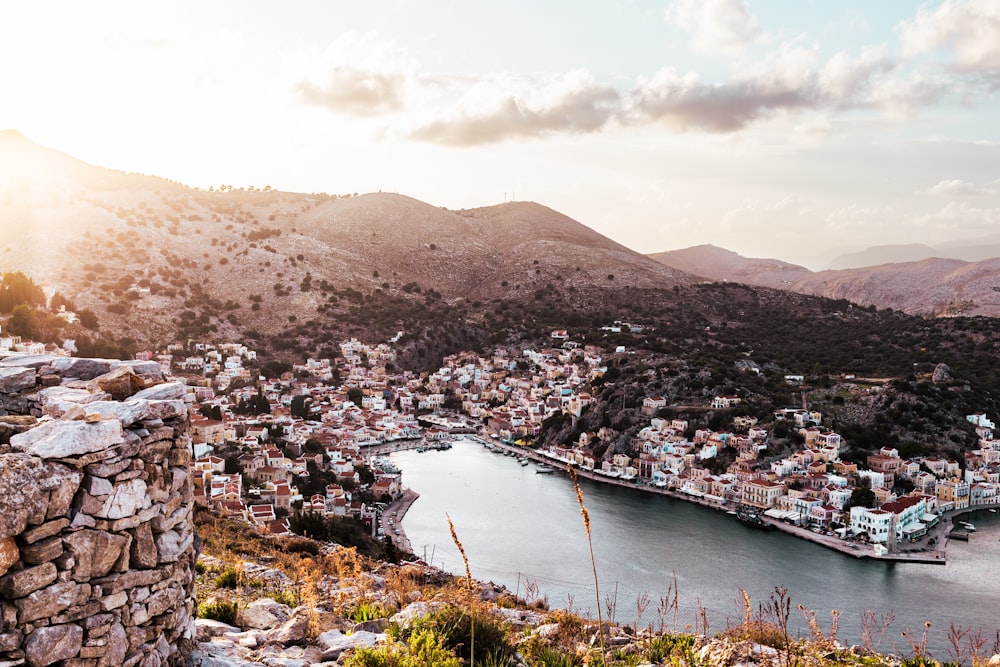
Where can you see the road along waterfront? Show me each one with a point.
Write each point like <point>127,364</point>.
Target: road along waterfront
<point>519,526</point>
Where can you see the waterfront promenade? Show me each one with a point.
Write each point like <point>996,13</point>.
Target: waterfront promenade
<point>395,511</point>
<point>917,552</point>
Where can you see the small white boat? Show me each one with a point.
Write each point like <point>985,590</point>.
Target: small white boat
<point>968,526</point>
<point>543,469</point>
<point>523,461</point>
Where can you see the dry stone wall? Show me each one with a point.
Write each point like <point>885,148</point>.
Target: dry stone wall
<point>97,543</point>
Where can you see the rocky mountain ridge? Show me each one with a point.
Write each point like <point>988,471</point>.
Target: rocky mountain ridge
<point>934,287</point>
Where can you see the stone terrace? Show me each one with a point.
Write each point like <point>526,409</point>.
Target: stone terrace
<point>97,546</point>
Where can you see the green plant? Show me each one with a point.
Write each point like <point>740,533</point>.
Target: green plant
<point>423,649</point>
<point>455,625</point>
<point>288,598</point>
<point>230,578</point>
<point>219,610</point>
<point>367,611</point>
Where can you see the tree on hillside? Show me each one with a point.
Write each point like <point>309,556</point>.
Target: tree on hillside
<point>23,322</point>
<point>17,289</point>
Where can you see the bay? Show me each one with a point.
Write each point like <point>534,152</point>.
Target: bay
<point>525,531</point>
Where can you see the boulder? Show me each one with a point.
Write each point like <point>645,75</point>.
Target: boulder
<point>264,614</point>
<point>206,628</point>
<point>63,439</point>
<point>335,642</point>
<point>15,378</point>
<point>52,644</point>
<point>121,383</point>
<point>167,391</point>
<point>80,368</point>
<point>292,631</point>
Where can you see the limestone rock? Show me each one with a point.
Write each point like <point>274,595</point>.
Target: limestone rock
<point>62,439</point>
<point>150,370</point>
<point>167,391</point>
<point>8,554</point>
<point>15,378</point>
<point>81,368</point>
<point>95,552</point>
<point>128,498</point>
<point>19,583</point>
<point>206,628</point>
<point>117,647</point>
<point>121,383</point>
<point>52,644</point>
<point>292,631</point>
<point>942,373</point>
<point>135,410</point>
<point>335,642</point>
<point>28,482</point>
<point>143,553</point>
<point>405,616</point>
<point>49,601</point>
<point>13,424</point>
<point>28,360</point>
<point>42,551</point>
<point>264,614</point>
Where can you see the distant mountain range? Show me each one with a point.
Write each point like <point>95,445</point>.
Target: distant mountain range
<point>933,287</point>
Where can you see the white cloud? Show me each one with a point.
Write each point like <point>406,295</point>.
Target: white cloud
<point>715,25</point>
<point>960,216</point>
<point>501,107</point>
<point>359,74</point>
<point>969,30</point>
<point>960,188</point>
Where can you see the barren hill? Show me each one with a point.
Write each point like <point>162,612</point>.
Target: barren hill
<point>157,260</point>
<point>931,287</point>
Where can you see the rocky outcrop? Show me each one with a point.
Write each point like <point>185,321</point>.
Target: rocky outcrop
<point>96,544</point>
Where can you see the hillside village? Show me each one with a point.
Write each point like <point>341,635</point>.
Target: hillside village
<point>262,446</point>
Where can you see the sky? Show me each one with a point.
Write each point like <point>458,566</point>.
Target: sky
<point>792,129</point>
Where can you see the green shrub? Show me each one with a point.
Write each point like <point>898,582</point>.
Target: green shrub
<point>230,578</point>
<point>455,626</point>
<point>219,610</point>
<point>423,648</point>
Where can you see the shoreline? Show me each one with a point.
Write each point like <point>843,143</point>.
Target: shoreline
<point>396,510</point>
<point>940,531</point>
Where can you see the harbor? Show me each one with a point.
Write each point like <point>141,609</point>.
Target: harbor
<point>518,525</point>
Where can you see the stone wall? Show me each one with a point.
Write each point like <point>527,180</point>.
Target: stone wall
<point>97,543</point>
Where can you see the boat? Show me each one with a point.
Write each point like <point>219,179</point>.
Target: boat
<point>968,526</point>
<point>751,517</point>
<point>523,460</point>
<point>542,469</point>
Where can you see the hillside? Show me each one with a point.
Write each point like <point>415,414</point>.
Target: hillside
<point>158,261</point>
<point>930,287</point>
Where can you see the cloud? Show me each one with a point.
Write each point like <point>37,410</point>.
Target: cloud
<point>686,102</point>
<point>359,74</point>
<point>788,81</point>
<point>505,107</point>
<point>961,216</point>
<point>969,30</point>
<point>960,188</point>
<point>715,25</point>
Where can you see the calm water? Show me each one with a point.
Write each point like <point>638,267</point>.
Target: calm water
<point>524,530</point>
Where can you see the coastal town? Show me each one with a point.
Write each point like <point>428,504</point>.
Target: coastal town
<point>314,439</point>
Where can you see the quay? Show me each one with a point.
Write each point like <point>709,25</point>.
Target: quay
<point>916,552</point>
<point>396,510</point>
